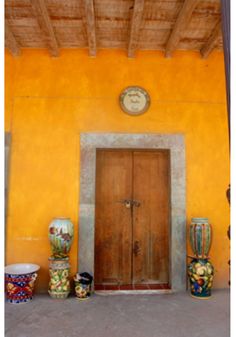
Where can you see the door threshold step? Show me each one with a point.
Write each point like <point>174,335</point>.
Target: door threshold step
<point>140,286</point>
<point>133,292</point>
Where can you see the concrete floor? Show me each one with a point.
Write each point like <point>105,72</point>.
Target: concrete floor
<point>169,315</point>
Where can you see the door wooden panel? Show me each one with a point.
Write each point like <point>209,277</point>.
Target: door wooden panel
<point>151,218</point>
<point>113,231</point>
<point>132,244</point>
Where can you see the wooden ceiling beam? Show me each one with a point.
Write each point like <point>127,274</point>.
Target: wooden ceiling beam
<point>135,27</point>
<point>212,41</point>
<point>180,24</point>
<point>46,26</point>
<point>10,41</point>
<point>90,24</point>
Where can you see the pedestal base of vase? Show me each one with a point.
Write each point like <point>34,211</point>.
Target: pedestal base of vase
<point>58,294</point>
<point>200,272</point>
<point>82,299</point>
<point>201,298</point>
<point>59,285</point>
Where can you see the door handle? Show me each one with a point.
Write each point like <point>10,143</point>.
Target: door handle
<point>130,203</point>
<point>136,248</point>
<point>136,203</point>
<point>126,202</point>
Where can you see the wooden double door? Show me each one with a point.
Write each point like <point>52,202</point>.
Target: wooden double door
<point>132,217</point>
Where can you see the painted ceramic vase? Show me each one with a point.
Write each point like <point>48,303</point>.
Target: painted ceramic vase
<point>19,282</point>
<point>200,237</point>
<point>83,284</point>
<point>59,285</point>
<point>61,233</point>
<point>200,272</point>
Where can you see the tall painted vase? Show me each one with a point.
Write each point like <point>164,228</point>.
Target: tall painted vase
<point>61,233</point>
<point>200,269</point>
<point>200,237</point>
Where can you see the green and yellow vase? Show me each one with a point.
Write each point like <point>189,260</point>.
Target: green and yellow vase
<point>59,285</point>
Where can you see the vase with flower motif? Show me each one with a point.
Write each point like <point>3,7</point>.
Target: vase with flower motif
<point>200,272</point>
<point>200,269</point>
<point>59,285</point>
<point>61,233</point>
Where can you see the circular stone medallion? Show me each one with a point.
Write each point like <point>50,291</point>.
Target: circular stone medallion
<point>134,100</point>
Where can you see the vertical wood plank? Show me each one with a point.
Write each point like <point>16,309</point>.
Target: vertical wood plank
<point>151,218</point>
<point>113,232</point>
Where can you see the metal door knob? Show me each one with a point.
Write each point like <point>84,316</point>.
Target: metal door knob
<point>130,203</point>
<point>126,202</point>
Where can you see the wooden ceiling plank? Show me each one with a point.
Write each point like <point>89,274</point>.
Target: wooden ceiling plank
<point>181,22</point>
<point>212,41</point>
<point>10,41</point>
<point>46,26</point>
<point>136,22</point>
<point>90,24</point>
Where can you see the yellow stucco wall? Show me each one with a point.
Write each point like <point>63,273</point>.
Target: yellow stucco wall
<point>49,101</point>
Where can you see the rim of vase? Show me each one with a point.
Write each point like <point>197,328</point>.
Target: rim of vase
<point>61,218</point>
<point>21,268</point>
<point>199,220</point>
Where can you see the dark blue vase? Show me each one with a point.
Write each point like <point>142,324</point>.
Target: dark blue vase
<point>200,272</point>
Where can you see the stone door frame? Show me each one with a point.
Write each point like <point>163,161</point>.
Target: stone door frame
<point>175,143</point>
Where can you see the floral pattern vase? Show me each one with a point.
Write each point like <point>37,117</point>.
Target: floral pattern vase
<point>61,233</point>
<point>200,237</point>
<point>83,284</point>
<point>59,285</point>
<point>200,273</point>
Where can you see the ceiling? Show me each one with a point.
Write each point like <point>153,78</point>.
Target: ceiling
<point>132,25</point>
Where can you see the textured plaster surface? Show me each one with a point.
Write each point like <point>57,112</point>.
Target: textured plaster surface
<point>89,142</point>
<point>46,114</point>
<point>174,315</point>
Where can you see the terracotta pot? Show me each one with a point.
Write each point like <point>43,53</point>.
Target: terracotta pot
<point>19,282</point>
<point>61,233</point>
